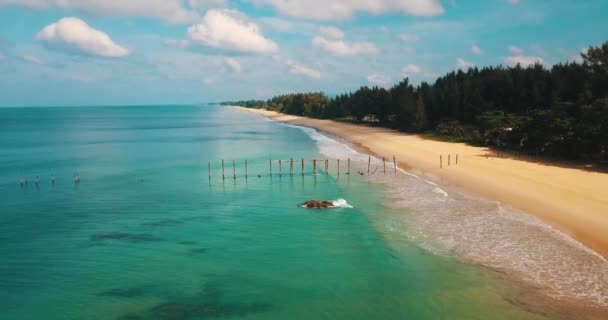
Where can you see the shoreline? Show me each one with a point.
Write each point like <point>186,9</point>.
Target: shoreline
<point>572,201</point>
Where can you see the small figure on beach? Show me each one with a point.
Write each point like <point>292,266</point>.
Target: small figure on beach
<point>22,181</point>
<point>36,180</point>
<point>52,179</point>
<point>76,177</point>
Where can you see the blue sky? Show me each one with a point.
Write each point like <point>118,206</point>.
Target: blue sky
<point>106,52</point>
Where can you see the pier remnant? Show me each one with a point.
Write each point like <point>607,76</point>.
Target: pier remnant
<point>223,173</point>
<point>395,163</point>
<point>234,169</point>
<point>369,162</point>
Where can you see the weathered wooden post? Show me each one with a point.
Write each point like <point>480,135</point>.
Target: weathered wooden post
<point>369,162</point>
<point>234,169</point>
<point>326,166</point>
<point>348,172</point>
<point>280,167</point>
<point>395,163</point>
<point>384,165</point>
<point>302,166</point>
<point>270,164</point>
<point>440,162</point>
<point>338,167</point>
<point>209,170</point>
<point>457,159</point>
<point>314,166</point>
<point>291,167</point>
<point>449,159</point>
<point>223,173</point>
<point>246,170</point>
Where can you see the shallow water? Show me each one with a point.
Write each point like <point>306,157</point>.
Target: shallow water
<point>147,235</point>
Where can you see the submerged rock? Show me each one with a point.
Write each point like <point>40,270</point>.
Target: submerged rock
<point>316,204</point>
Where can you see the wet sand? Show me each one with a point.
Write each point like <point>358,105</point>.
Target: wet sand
<point>571,200</point>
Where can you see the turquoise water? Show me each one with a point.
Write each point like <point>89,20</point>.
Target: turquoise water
<point>147,235</point>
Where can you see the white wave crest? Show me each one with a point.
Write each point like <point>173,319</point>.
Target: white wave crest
<point>341,203</point>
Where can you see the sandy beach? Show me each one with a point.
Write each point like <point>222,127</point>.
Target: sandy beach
<point>574,201</point>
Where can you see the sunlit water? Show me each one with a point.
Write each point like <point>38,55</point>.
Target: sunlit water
<point>147,235</point>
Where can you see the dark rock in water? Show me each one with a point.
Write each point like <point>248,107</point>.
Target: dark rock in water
<point>316,204</point>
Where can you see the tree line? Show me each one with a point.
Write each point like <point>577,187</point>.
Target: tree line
<point>560,111</point>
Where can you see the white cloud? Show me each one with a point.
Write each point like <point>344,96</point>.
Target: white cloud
<point>37,4</point>
<point>408,37</point>
<point>296,68</point>
<point>476,50</point>
<point>410,69</point>
<point>516,50</point>
<point>182,44</point>
<point>379,79</point>
<point>538,50</point>
<point>341,9</point>
<point>577,57</point>
<point>32,59</point>
<point>77,34</point>
<point>332,33</point>
<point>172,11</point>
<point>463,64</point>
<point>231,30</point>
<point>207,4</point>
<point>522,60</point>
<point>332,41</point>
<point>234,64</point>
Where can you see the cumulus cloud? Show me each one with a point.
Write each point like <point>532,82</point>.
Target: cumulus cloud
<point>463,64</point>
<point>37,4</point>
<point>516,50</point>
<point>522,60</point>
<point>333,42</point>
<point>332,33</point>
<point>341,9</point>
<point>407,37</point>
<point>409,70</point>
<point>77,34</point>
<point>172,11</point>
<point>176,43</point>
<point>234,64</point>
<point>299,69</point>
<point>207,4</point>
<point>232,31</point>
<point>379,79</point>
<point>476,50</point>
<point>32,59</point>
<point>518,57</point>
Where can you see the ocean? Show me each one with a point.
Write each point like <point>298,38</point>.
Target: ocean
<point>148,234</point>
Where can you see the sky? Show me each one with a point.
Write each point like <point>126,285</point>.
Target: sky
<point>111,52</point>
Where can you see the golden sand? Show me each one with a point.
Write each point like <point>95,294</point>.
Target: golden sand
<point>573,200</point>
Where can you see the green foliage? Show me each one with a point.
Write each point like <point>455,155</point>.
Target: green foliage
<point>562,111</point>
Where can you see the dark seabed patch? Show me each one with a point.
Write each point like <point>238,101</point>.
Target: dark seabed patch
<point>126,237</point>
<point>126,293</point>
<point>198,251</point>
<point>162,223</point>
<point>210,303</point>
<point>188,243</point>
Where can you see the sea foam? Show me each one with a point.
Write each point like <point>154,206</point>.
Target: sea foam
<point>484,232</point>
